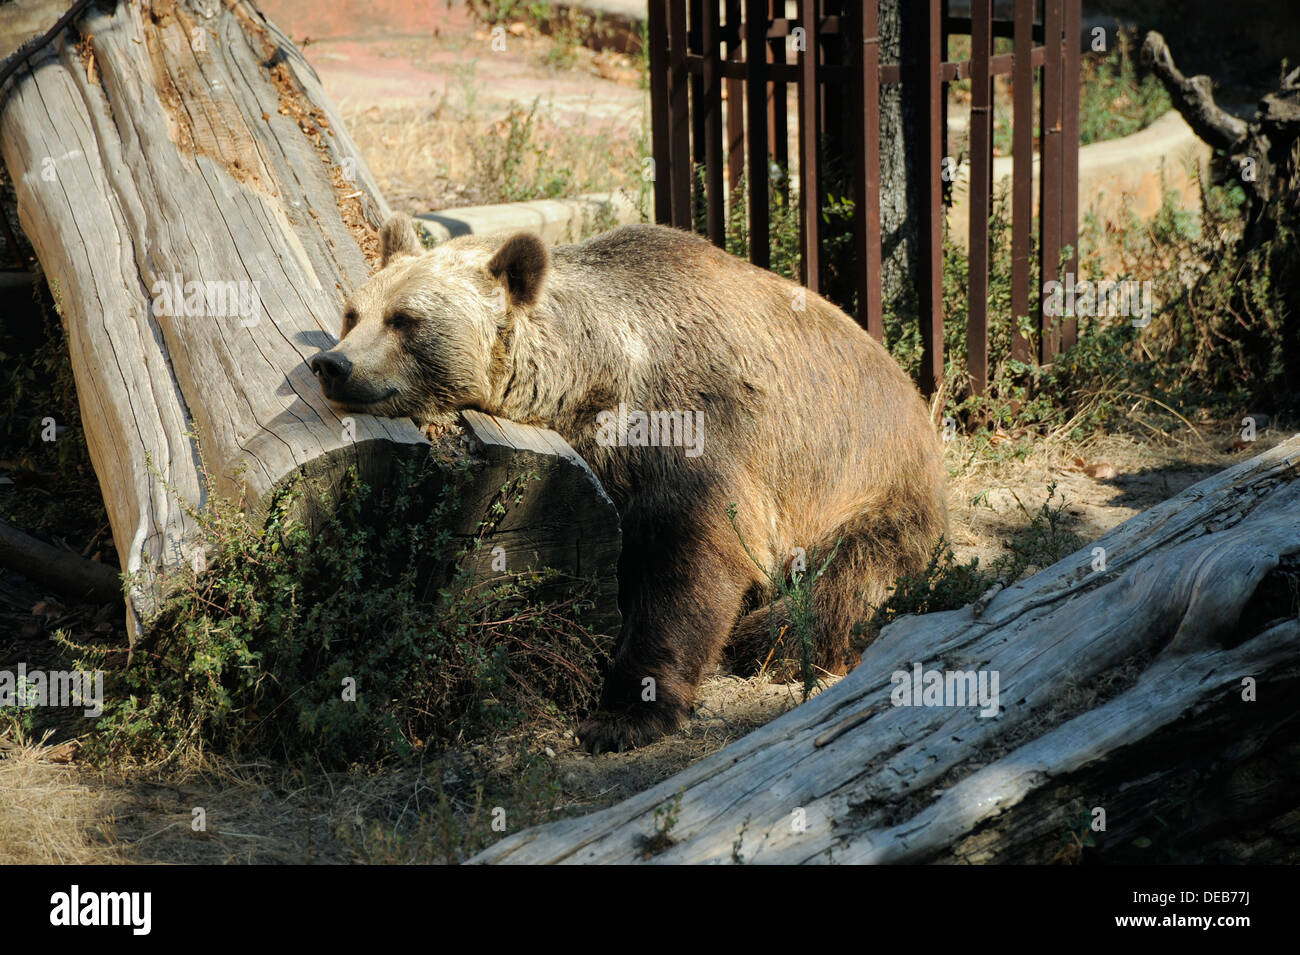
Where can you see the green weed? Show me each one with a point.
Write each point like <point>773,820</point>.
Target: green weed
<point>327,629</point>
<point>949,584</point>
<point>794,591</point>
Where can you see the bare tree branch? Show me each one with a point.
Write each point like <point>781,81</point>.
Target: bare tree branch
<point>1193,97</point>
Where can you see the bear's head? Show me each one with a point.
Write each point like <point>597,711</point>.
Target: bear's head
<point>423,336</point>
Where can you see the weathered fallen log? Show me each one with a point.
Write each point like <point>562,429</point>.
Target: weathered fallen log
<point>1150,676</point>
<point>200,213</point>
<point>71,575</point>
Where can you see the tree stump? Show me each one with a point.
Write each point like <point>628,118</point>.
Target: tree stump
<point>200,213</point>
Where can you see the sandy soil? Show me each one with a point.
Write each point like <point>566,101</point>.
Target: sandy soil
<point>430,112</point>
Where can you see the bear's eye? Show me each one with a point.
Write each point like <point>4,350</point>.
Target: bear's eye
<point>349,320</point>
<point>400,321</point>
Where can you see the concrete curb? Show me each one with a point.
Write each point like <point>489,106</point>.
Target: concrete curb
<point>1115,176</point>
<point>555,220</point>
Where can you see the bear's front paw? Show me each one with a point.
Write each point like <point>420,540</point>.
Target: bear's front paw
<point>614,731</point>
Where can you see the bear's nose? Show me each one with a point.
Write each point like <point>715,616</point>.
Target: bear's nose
<point>330,366</point>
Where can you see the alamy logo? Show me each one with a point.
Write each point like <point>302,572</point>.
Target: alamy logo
<point>651,429</point>
<point>22,687</point>
<point>208,299</point>
<point>1087,299</point>
<point>924,687</point>
<point>75,907</point>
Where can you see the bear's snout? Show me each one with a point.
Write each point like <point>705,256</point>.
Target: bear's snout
<point>331,368</point>
<point>343,384</point>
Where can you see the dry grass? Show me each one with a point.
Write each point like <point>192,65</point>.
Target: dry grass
<point>63,813</point>
<point>55,811</point>
<point>461,153</point>
<point>1104,480</point>
<point>51,812</point>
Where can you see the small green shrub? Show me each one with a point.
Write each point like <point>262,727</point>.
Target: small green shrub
<point>665,820</point>
<point>1115,98</point>
<point>784,246</point>
<point>516,160</point>
<point>949,584</point>
<point>1222,338</point>
<point>329,636</point>
<point>795,592</point>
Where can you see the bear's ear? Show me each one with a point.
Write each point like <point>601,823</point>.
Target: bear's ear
<point>521,263</point>
<point>397,237</point>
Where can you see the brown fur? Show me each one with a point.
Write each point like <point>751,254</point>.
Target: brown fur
<point>810,428</point>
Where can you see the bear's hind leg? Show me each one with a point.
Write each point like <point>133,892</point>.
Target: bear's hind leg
<point>871,551</point>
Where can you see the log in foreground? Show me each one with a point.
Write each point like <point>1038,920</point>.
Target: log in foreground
<point>200,213</point>
<point>1150,675</point>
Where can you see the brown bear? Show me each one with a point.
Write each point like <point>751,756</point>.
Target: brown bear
<point>691,381</point>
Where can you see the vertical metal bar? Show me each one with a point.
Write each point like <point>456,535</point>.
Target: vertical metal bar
<point>757,119</point>
<point>943,56</point>
<point>711,37</point>
<point>1070,152</point>
<point>679,164</point>
<point>695,45</point>
<point>1049,202</point>
<point>866,210</point>
<point>809,140</point>
<point>981,151</point>
<point>1022,175</point>
<point>657,30</point>
<point>735,88</point>
<point>778,126</point>
<point>929,157</point>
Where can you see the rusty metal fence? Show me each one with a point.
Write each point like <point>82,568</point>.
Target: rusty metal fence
<point>719,76</point>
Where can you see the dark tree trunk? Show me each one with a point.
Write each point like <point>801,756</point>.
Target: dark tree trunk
<point>898,136</point>
<point>1264,155</point>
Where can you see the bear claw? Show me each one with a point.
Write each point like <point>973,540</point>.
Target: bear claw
<point>615,732</point>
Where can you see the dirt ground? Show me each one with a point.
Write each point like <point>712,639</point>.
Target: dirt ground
<point>432,114</point>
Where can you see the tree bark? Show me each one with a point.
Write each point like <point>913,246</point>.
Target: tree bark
<point>200,212</point>
<point>1264,156</point>
<point>898,22</point>
<point>1148,676</point>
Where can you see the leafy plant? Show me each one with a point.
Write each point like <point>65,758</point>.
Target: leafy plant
<point>323,630</point>
<point>665,817</point>
<point>795,594</point>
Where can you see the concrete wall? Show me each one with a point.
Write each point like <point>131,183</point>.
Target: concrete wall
<point>1115,177</point>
